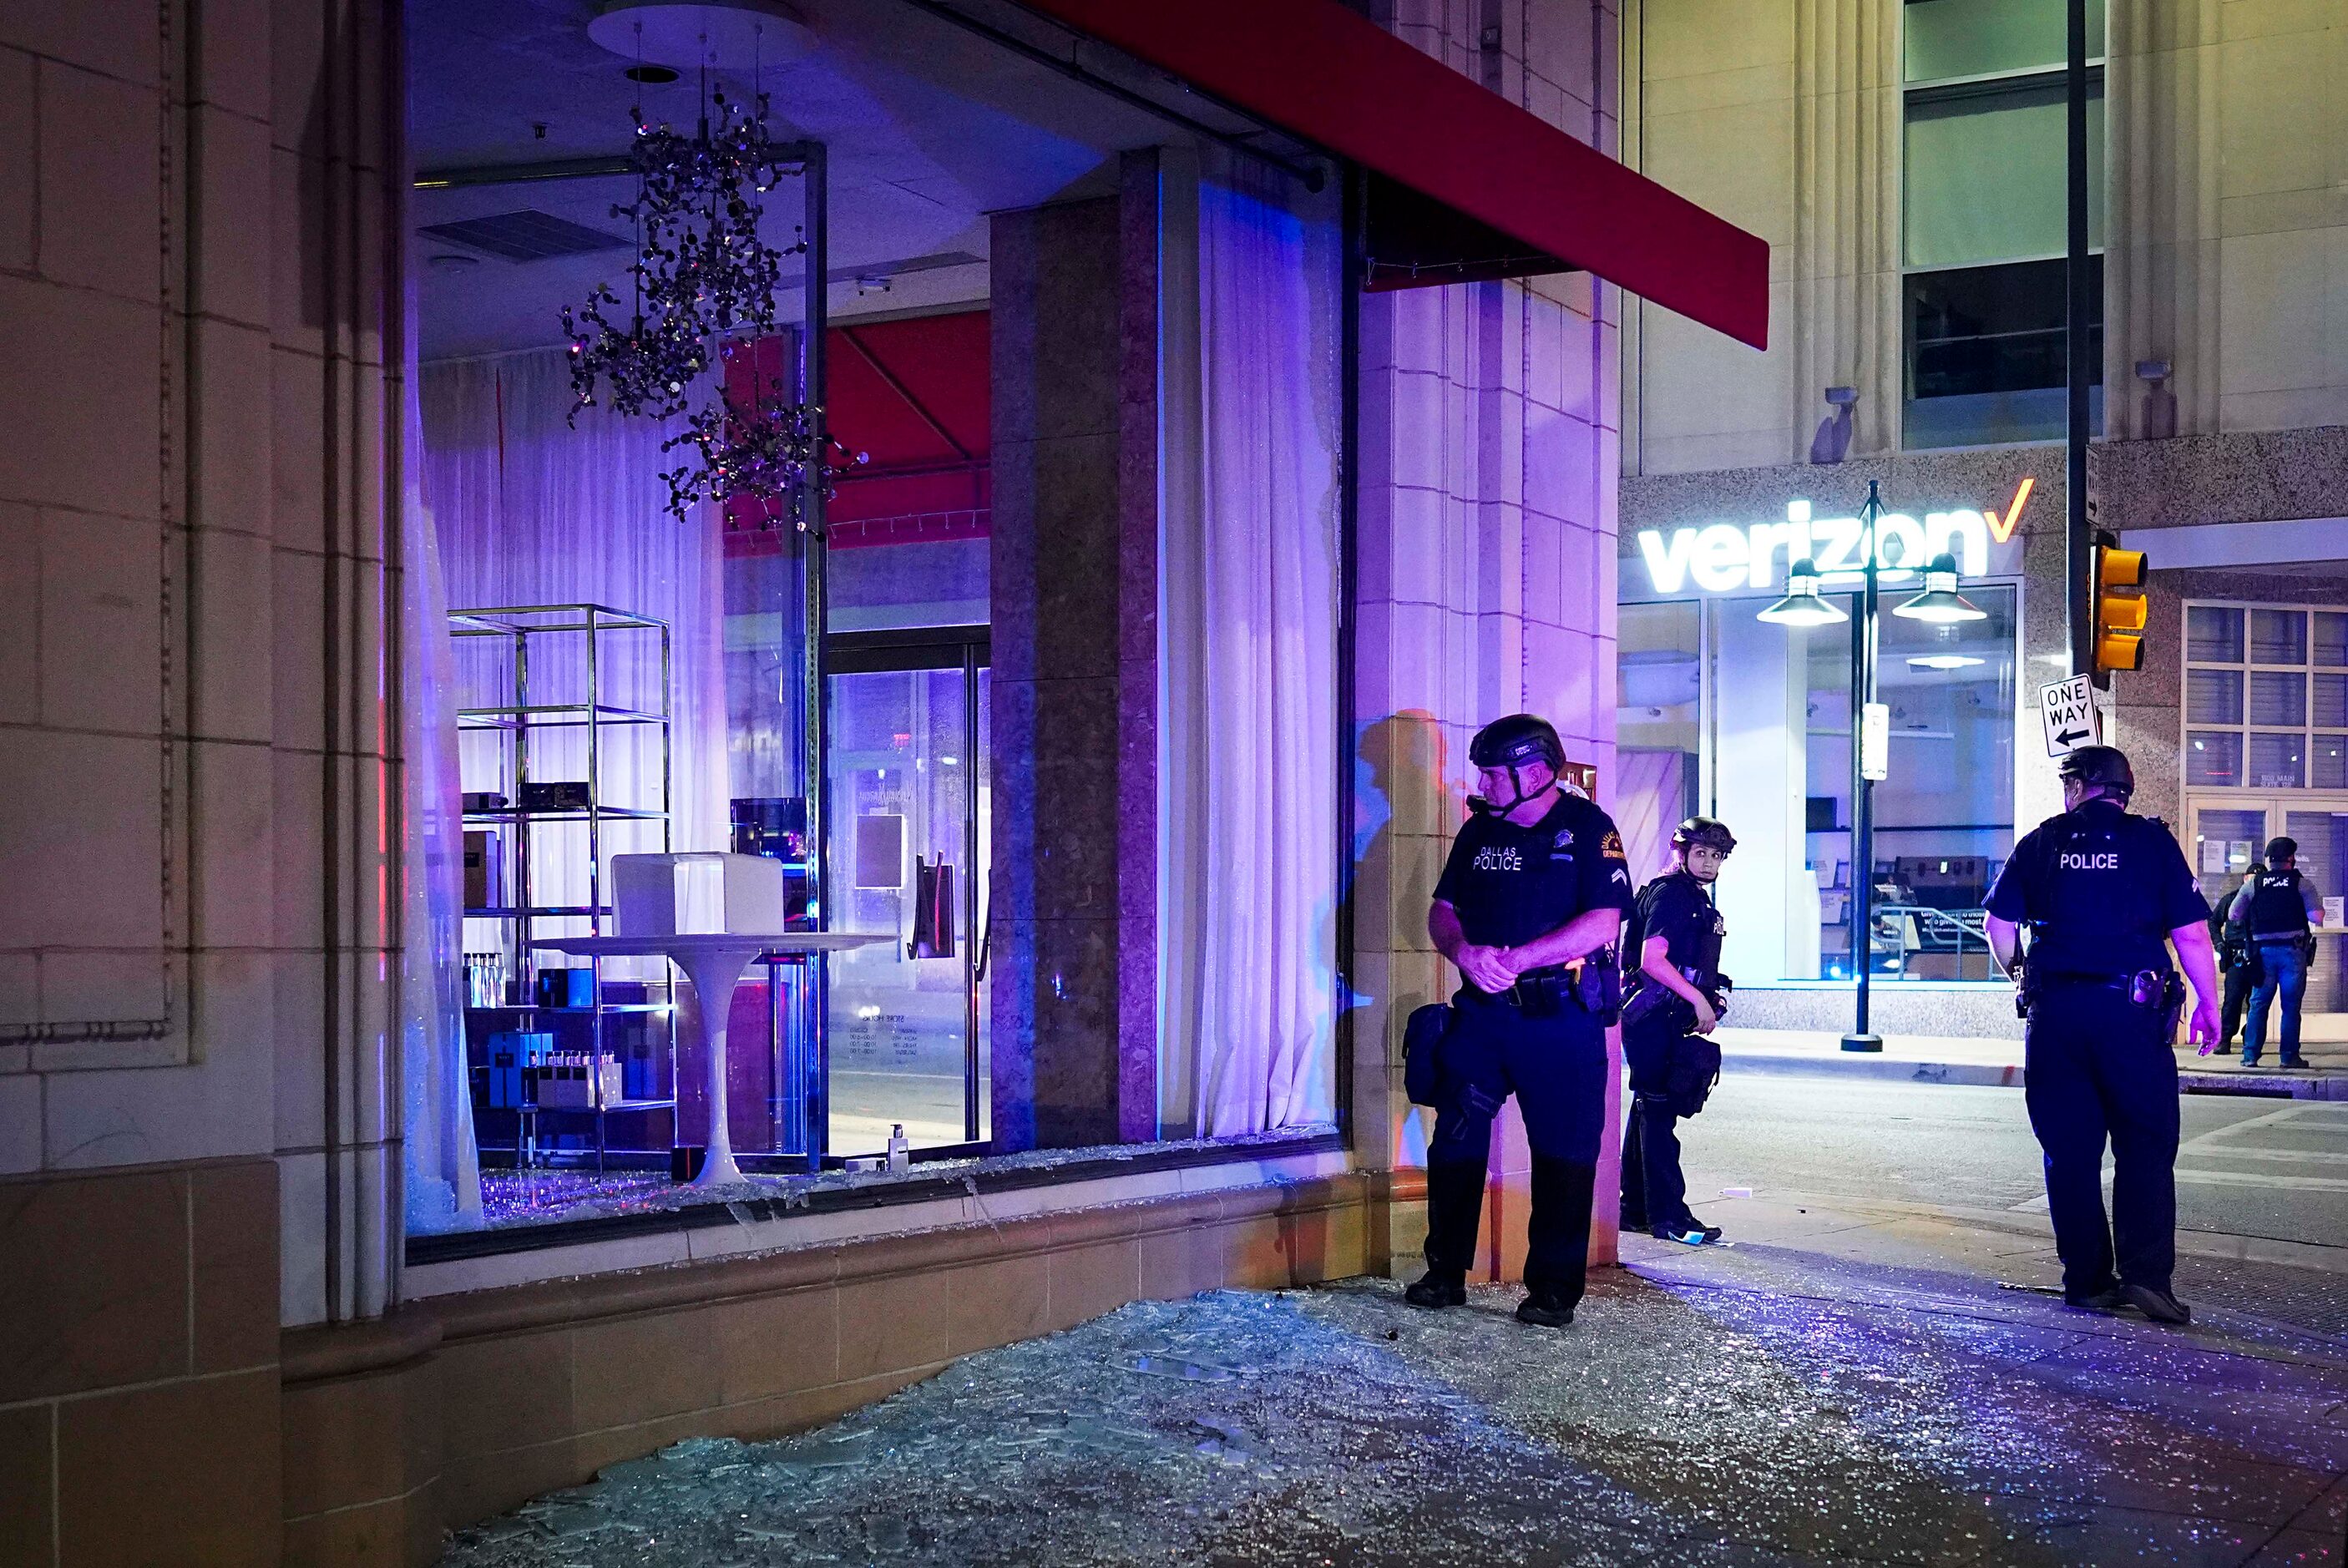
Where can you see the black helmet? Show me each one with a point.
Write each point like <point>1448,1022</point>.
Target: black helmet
<point>2104,767</point>
<point>1513,741</point>
<point>1708,831</point>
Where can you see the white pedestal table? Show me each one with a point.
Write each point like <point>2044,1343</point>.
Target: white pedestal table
<point>713,963</point>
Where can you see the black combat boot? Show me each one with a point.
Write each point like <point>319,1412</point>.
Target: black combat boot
<point>1455,1211</point>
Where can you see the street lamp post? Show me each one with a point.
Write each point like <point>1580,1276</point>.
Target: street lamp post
<point>1804,607</point>
<point>1865,642</point>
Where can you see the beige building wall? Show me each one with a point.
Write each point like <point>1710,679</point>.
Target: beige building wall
<point>198,803</point>
<point>2229,193</point>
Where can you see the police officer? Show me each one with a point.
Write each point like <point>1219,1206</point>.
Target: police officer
<point>2101,892</point>
<point>2238,961</point>
<point>1536,878</point>
<point>2275,910</point>
<point>1672,955</point>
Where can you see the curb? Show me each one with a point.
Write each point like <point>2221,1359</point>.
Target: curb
<point>2009,1075</point>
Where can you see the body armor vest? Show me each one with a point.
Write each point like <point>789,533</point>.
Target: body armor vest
<point>2274,906</point>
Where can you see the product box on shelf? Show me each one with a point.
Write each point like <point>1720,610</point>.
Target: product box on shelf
<point>514,1058</point>
<point>556,794</point>
<point>566,987</point>
<point>569,1081</point>
<point>484,880</point>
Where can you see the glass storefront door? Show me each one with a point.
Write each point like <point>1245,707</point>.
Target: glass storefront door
<point>906,1020</point>
<point>2228,833</point>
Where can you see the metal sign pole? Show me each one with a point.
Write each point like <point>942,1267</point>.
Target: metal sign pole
<point>2077,541</point>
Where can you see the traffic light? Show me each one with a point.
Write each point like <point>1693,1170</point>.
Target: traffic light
<point>2120,605</point>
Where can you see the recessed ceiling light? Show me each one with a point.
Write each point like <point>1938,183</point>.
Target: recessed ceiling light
<point>450,260</point>
<point>1941,661</point>
<point>651,75</point>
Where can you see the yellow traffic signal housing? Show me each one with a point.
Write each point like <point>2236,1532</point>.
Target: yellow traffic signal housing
<point>2120,606</point>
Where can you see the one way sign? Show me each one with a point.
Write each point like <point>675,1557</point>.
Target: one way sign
<point>2067,709</point>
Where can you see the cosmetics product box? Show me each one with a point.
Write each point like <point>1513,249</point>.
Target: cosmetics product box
<point>566,987</point>
<point>514,1055</point>
<point>555,795</point>
<point>484,869</point>
<point>483,801</point>
<point>569,1082</point>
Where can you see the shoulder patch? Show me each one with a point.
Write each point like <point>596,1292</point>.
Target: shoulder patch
<point>1610,846</point>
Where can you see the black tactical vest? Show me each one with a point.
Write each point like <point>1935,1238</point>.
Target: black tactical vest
<point>2274,905</point>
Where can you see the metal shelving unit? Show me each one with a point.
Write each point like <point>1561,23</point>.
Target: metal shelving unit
<point>520,628</point>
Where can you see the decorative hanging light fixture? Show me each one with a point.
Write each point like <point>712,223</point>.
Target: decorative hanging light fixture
<point>1802,605</point>
<point>702,272</point>
<point>1940,603</point>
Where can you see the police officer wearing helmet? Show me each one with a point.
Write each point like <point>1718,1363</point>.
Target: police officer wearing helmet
<point>2105,894</point>
<point>1537,879</point>
<point>2275,911</point>
<point>1673,991</point>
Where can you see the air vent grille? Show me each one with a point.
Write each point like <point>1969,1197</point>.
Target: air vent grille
<point>527,235</point>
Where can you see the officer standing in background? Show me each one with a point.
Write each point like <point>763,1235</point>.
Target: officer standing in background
<point>2277,910</point>
<point>2238,961</point>
<point>1672,956</point>
<point>1536,878</point>
<point>2103,894</point>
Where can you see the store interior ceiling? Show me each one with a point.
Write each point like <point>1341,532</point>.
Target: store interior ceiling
<point>929,130</point>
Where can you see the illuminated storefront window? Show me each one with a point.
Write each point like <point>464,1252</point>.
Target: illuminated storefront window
<point>1750,722</point>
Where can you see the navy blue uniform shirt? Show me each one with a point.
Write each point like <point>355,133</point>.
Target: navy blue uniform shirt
<point>1679,909</point>
<point>1511,884</point>
<point>2101,891</point>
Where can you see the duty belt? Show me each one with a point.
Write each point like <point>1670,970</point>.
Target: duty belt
<point>2144,987</point>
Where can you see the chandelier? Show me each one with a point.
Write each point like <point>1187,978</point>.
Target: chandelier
<point>702,273</point>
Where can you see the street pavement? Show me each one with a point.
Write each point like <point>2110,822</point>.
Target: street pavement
<point>1871,1373</point>
<point>2257,1178</point>
<point>1972,1060</point>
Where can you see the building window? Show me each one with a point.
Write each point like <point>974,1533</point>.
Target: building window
<point>1722,714</point>
<point>1658,726</point>
<point>1984,221</point>
<point>2266,697</point>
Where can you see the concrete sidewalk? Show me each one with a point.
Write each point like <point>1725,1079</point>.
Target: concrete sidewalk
<point>1838,1387</point>
<point>1998,1063</point>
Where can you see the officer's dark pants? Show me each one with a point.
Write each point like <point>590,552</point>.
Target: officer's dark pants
<point>2098,1066</point>
<point>1654,1190</point>
<point>1556,1066</point>
<point>2239,979</point>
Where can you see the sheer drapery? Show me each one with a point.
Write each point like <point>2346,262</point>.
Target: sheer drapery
<point>442,1164</point>
<point>1649,803</point>
<point>533,509</point>
<point>1248,762</point>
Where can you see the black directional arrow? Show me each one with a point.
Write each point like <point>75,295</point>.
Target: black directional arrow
<point>2070,736</point>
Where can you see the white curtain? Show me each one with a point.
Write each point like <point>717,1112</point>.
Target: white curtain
<point>534,511</point>
<point>1649,803</point>
<point>1248,743</point>
<point>443,1168</point>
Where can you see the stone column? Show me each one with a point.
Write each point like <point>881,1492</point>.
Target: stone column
<point>1840,315</point>
<point>1487,455</point>
<point>2163,131</point>
<point>1075,563</point>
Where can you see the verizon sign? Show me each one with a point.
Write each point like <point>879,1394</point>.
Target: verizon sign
<point>1728,558</point>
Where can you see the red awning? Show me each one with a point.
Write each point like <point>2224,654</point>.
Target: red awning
<point>1316,69</point>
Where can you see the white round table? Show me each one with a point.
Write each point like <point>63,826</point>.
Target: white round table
<point>713,962</point>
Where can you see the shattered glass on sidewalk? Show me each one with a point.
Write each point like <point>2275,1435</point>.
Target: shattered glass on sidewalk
<point>1758,1406</point>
